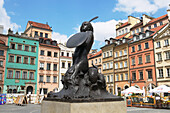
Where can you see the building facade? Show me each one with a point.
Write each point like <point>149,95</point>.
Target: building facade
<point>96,59</point>
<point>162,55</point>
<point>48,65</point>
<point>65,61</point>
<point>121,65</point>
<point>21,64</point>
<point>35,29</point>
<point>3,51</point>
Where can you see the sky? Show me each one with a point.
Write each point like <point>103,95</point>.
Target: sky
<point>66,16</point>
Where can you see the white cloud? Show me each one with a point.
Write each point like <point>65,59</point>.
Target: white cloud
<point>5,19</point>
<point>140,6</point>
<point>59,37</point>
<point>104,30</point>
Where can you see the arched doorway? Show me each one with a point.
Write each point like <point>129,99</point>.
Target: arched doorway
<point>29,89</point>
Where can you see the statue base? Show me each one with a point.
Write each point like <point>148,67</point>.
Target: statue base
<point>51,106</point>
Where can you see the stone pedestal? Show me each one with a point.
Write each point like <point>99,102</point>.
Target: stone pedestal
<point>83,107</point>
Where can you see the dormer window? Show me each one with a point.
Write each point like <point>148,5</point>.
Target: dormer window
<point>148,33</point>
<point>133,32</point>
<point>46,35</point>
<point>160,23</point>
<point>47,42</point>
<point>119,32</point>
<point>155,25</point>
<point>137,30</point>
<point>107,42</point>
<point>124,40</point>
<point>123,31</point>
<point>141,29</point>
<point>126,30</point>
<point>149,27</point>
<point>134,38</point>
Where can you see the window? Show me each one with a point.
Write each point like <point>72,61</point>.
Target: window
<point>107,66</point>
<point>99,60</point>
<point>149,27</point>
<point>160,23</point>
<point>31,75</point>
<point>42,52</point>
<point>121,76</point>
<point>150,74</point>
<point>111,78</point>
<point>11,58</point>
<point>133,49</point>
<point>36,33</point>
<point>48,79</point>
<point>111,53</point>
<point>17,74</point>
<point>137,30</point>
<point>55,54</point>
<point>116,66</point>
<point>125,64</point>
<point>41,78</point>
<point>166,42</point>
<point>146,45</point>
<point>140,59</point>
<point>54,79</point>
<point>67,54</point>
<point>116,54</point>
<point>107,54</point>
<point>25,60</point>
<point>55,67</point>
<point>125,52</point>
<point>133,61</point>
<point>32,61</point>
<point>63,64</point>
<point>69,65</point>
<point>1,52</point>
<point>0,76</point>
<point>141,29</point>
<point>159,56</point>
<point>24,75</point>
<point>139,47</point>
<point>12,46</point>
<point>160,73</point>
<point>41,34</point>
<point>123,31</point>
<point>108,78</point>
<point>167,55</point>
<point>95,61</point>
<point>26,48</point>
<point>120,53</point>
<point>133,75</point>
<point>48,66</point>
<point>147,58</point>
<point>126,30</point>
<point>99,70</point>
<point>1,63</point>
<point>119,32</point>
<point>133,32</point>
<point>158,44</point>
<point>126,76</point>
<point>10,74</point>
<point>117,77</point>
<point>19,47</point>
<point>121,65</point>
<point>141,75</point>
<point>48,53</point>
<point>46,35</point>
<point>111,64</point>
<point>41,66</point>
<point>168,72</point>
<point>62,53</point>
<point>32,49</point>
<point>155,25</point>
<point>104,66</point>
<point>18,59</point>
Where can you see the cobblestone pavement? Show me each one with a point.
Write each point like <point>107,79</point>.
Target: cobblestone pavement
<point>31,108</point>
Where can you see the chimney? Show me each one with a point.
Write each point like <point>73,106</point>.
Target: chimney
<point>1,29</point>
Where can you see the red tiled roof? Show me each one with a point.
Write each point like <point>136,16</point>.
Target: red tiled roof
<point>156,19</point>
<point>157,29</point>
<point>40,25</point>
<point>98,53</point>
<point>121,36</point>
<point>2,42</point>
<point>138,24</point>
<point>124,24</point>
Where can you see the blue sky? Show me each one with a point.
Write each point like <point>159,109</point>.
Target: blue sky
<point>65,16</point>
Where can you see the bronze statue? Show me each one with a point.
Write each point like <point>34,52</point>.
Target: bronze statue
<point>80,80</point>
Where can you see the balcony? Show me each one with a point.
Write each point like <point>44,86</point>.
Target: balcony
<point>120,58</point>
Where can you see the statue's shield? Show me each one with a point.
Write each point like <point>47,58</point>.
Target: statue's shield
<point>77,39</point>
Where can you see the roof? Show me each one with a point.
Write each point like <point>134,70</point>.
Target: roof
<point>40,25</point>
<point>2,42</point>
<point>121,36</point>
<point>157,29</point>
<point>97,54</point>
<point>123,25</point>
<point>138,24</point>
<point>156,19</point>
